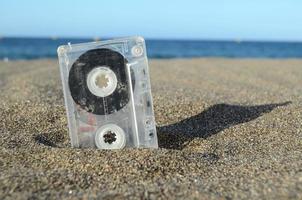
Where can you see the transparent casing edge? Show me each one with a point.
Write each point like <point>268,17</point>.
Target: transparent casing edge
<point>136,119</point>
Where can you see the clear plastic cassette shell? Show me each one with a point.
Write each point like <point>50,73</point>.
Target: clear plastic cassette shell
<point>117,114</point>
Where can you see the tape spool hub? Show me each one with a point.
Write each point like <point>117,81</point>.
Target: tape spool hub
<point>110,136</point>
<point>101,81</point>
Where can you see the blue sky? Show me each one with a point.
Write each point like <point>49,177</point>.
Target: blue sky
<point>174,19</point>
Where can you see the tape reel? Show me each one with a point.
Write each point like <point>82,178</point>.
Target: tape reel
<point>98,79</point>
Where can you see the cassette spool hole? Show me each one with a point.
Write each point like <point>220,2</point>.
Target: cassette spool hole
<point>109,137</point>
<point>102,81</point>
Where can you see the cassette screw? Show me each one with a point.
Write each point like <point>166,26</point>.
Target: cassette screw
<point>137,51</point>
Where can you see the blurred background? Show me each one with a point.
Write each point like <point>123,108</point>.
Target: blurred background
<point>173,29</point>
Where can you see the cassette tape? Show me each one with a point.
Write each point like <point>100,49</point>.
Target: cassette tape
<point>107,94</point>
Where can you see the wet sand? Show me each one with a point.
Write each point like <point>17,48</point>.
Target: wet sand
<point>227,128</point>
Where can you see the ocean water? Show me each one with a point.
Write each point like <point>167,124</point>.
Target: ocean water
<point>35,48</point>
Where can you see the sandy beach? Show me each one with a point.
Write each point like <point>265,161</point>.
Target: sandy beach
<point>227,129</point>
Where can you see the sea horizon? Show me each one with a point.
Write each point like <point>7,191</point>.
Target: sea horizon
<point>28,48</point>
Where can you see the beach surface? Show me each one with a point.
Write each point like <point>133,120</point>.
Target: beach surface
<point>227,129</point>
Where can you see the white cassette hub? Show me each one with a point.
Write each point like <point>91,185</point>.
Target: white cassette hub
<point>107,94</point>
<point>101,81</point>
<point>110,136</point>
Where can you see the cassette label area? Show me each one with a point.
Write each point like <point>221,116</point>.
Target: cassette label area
<point>107,94</point>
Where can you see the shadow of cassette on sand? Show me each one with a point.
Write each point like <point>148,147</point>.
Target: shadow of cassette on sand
<point>210,122</point>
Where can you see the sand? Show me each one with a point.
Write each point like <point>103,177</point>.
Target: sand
<point>227,128</point>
